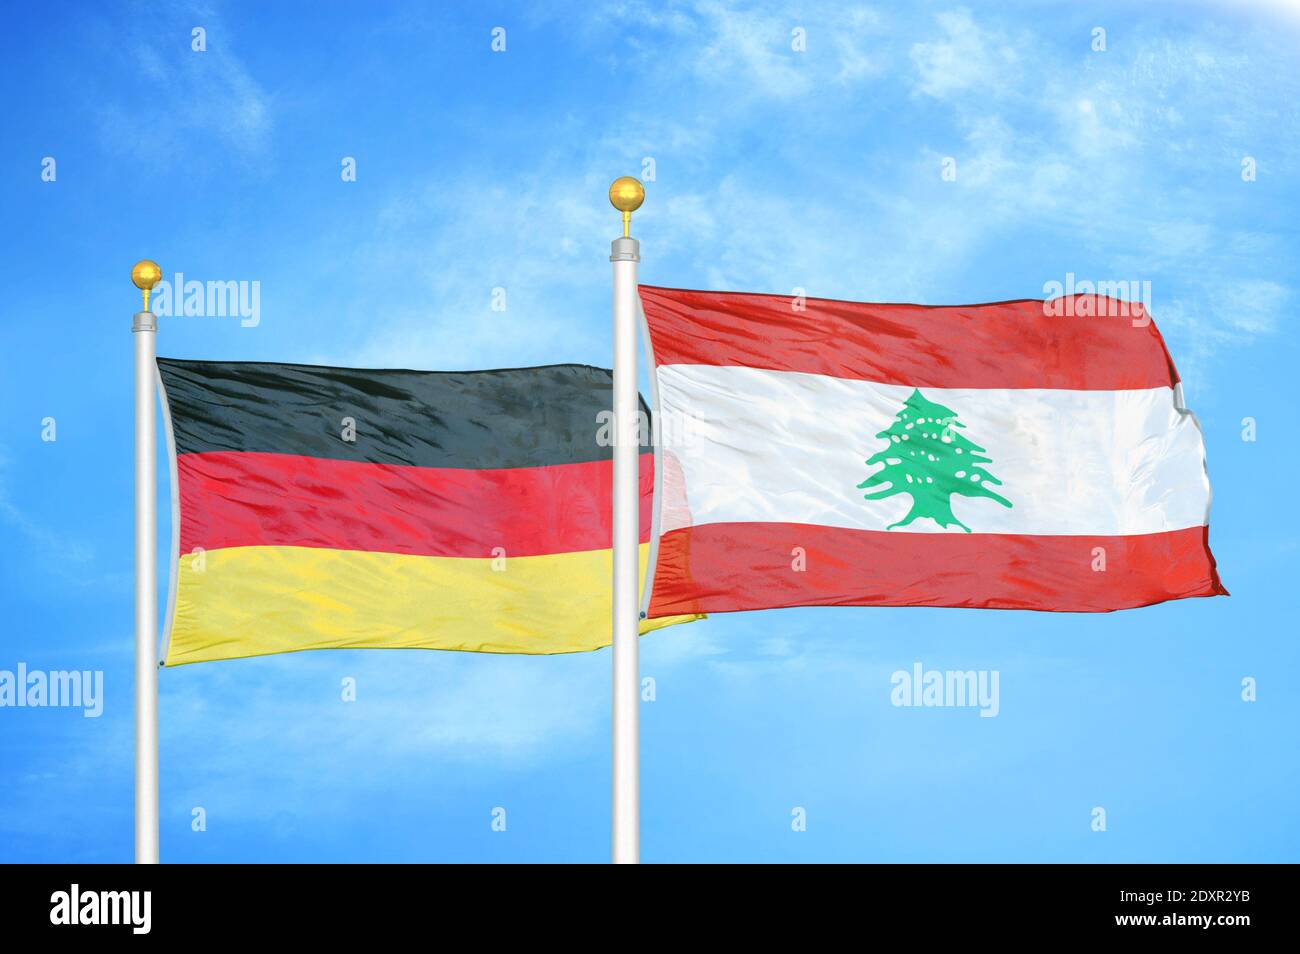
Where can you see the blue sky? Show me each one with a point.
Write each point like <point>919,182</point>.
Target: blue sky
<point>774,169</point>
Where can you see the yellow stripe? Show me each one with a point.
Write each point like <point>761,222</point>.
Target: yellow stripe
<point>251,601</point>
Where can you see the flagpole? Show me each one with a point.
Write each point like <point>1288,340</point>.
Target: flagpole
<point>626,195</point>
<point>144,329</point>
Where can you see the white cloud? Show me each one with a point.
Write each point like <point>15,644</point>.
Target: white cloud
<point>1041,141</point>
<point>435,257</point>
<point>748,50</point>
<point>50,553</point>
<point>188,101</point>
<point>966,57</point>
<point>69,554</point>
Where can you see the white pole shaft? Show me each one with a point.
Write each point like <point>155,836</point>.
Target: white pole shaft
<point>626,833</point>
<point>144,330</point>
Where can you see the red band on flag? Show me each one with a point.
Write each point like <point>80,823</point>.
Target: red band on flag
<point>744,566</point>
<point>244,499</point>
<point>1094,343</point>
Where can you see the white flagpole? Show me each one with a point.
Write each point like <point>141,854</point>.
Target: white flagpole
<point>626,194</point>
<point>144,329</point>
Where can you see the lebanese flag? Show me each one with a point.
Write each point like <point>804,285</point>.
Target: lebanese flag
<point>1017,455</point>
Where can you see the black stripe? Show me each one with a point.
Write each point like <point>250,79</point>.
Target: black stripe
<point>524,417</point>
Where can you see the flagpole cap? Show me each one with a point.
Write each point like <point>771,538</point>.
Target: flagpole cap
<point>626,194</point>
<point>145,274</point>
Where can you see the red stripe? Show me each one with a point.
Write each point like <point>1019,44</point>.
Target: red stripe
<point>720,567</point>
<point>245,499</point>
<point>1010,344</point>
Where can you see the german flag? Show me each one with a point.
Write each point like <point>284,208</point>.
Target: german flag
<point>331,508</point>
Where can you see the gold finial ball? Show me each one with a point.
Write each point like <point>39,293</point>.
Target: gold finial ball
<point>626,194</point>
<point>145,274</point>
